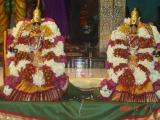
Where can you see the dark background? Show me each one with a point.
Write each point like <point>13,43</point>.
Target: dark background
<point>149,12</point>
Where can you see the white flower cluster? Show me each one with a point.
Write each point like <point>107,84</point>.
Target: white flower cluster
<point>158,94</point>
<point>57,68</point>
<point>116,34</point>
<point>112,75</point>
<point>53,27</point>
<point>46,51</point>
<point>58,49</point>
<point>155,75</point>
<point>105,92</point>
<point>140,76</point>
<point>156,34</point>
<point>23,48</point>
<point>38,78</point>
<point>113,59</point>
<point>127,20</point>
<point>25,33</point>
<point>7,90</point>
<point>10,54</point>
<point>142,32</point>
<point>149,65</point>
<point>14,69</point>
<point>146,50</point>
<point>22,64</point>
<point>16,29</point>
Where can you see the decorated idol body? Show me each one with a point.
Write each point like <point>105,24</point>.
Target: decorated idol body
<point>134,75</point>
<point>36,61</point>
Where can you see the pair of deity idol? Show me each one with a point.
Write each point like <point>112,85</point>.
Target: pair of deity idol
<point>36,62</point>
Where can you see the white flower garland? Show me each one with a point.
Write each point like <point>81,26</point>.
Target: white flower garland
<point>7,90</point>
<point>121,46</point>
<point>53,27</point>
<point>38,78</point>
<point>13,69</point>
<point>142,32</point>
<point>156,34</point>
<point>25,33</point>
<point>57,68</point>
<point>112,59</point>
<point>146,50</point>
<point>158,94</point>
<point>140,76</point>
<point>22,64</point>
<point>149,65</point>
<point>154,76</point>
<point>127,21</point>
<point>112,75</point>
<point>116,34</point>
<point>58,49</point>
<point>10,54</point>
<point>16,29</point>
<point>23,48</point>
<point>46,51</point>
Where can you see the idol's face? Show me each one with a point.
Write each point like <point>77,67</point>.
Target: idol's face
<point>134,20</point>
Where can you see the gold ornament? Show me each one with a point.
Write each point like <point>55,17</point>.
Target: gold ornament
<point>134,17</point>
<point>37,14</point>
<point>134,22</point>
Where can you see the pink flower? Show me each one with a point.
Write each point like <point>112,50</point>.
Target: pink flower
<point>60,81</point>
<point>108,65</point>
<point>9,40</point>
<point>12,81</point>
<point>157,85</point>
<point>59,38</point>
<point>157,66</point>
<point>158,46</point>
<point>110,84</point>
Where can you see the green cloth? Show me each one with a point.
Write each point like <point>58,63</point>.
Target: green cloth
<point>74,110</point>
<point>74,107</point>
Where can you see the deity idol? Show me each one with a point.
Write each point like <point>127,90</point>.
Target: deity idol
<point>134,71</point>
<point>35,61</point>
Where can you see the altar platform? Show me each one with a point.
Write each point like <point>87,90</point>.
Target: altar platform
<point>74,107</point>
<point>79,105</point>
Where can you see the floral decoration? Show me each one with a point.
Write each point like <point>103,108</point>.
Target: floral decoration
<point>130,60</point>
<point>22,64</point>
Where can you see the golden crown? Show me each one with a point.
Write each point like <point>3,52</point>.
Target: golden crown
<point>37,13</point>
<point>134,16</point>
